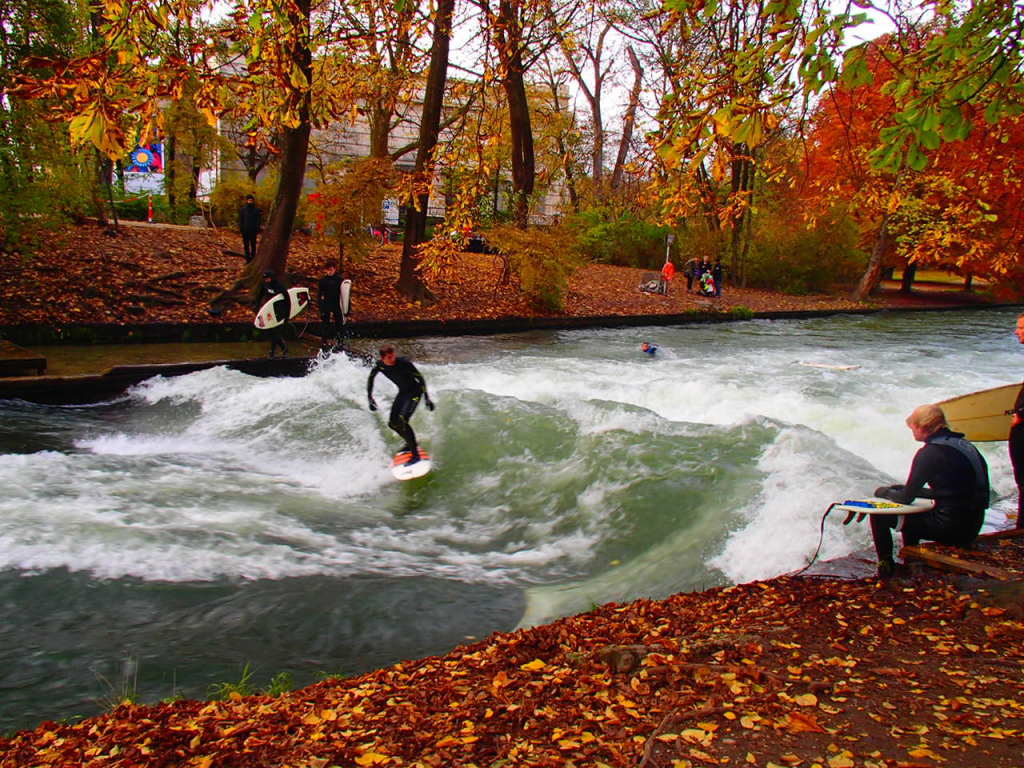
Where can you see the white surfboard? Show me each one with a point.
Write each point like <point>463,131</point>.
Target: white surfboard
<point>403,471</point>
<point>346,297</point>
<point>270,317</point>
<point>830,367</point>
<point>877,506</point>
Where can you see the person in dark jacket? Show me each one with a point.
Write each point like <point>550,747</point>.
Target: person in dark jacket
<point>329,301</point>
<point>249,224</point>
<point>411,387</point>
<point>716,275</point>
<point>1016,438</point>
<point>269,288</point>
<point>957,478</point>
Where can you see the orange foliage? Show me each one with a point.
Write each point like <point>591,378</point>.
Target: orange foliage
<point>963,212</point>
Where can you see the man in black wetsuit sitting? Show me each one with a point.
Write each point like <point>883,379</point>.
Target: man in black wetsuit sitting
<point>411,387</point>
<point>957,478</point>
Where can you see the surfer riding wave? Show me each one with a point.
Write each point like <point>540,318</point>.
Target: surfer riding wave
<point>411,386</point>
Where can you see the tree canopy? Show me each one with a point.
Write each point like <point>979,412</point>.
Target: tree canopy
<point>916,130</point>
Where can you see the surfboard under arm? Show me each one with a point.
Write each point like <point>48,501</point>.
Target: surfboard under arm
<point>982,416</point>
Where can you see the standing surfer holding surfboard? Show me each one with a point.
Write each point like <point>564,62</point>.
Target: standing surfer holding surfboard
<point>1016,438</point>
<point>957,478</point>
<point>269,288</point>
<point>411,386</point>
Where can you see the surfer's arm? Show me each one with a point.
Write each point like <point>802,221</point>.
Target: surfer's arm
<point>369,387</point>
<point>923,468</point>
<point>417,377</point>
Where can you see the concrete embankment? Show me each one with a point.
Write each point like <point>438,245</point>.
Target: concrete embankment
<point>94,387</point>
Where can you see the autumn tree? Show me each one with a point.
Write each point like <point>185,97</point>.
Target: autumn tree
<point>592,48</point>
<point>559,124</point>
<point>349,194</point>
<point>41,179</point>
<point>386,42</point>
<point>973,57</point>
<point>722,109</point>
<point>518,33</point>
<point>959,212</point>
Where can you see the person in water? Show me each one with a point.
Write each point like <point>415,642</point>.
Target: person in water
<point>650,349</point>
<point>1016,438</point>
<point>957,478</point>
<point>411,387</point>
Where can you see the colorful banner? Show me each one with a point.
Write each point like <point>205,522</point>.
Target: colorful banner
<point>148,158</point>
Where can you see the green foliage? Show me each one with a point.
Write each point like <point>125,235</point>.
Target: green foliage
<point>136,208</point>
<point>46,197</point>
<point>125,690</point>
<point>229,195</point>
<point>798,260</point>
<point>542,259</point>
<point>243,687</point>
<point>741,313</point>
<point>696,241</point>
<point>280,683</point>
<point>348,199</point>
<point>621,238</point>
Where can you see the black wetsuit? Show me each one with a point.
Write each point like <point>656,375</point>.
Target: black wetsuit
<point>268,289</point>
<point>411,387</point>
<point>957,478</point>
<point>329,299</point>
<point>1016,447</point>
<point>249,223</point>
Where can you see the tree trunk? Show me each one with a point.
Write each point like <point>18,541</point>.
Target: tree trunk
<point>272,252</point>
<point>907,283</point>
<point>742,200</point>
<point>379,118</point>
<point>521,135</point>
<point>252,164</point>
<point>570,178</point>
<point>409,283</point>
<point>873,275</point>
<point>170,175</point>
<point>629,120</point>
<point>520,129</point>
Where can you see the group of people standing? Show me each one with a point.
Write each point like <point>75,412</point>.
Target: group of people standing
<point>332,314</point>
<point>705,275</point>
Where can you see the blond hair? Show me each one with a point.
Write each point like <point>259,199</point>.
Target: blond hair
<point>928,417</point>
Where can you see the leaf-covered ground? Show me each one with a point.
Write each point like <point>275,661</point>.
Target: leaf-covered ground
<point>164,274</point>
<point>926,671</point>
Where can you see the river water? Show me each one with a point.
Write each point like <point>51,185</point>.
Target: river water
<point>161,543</point>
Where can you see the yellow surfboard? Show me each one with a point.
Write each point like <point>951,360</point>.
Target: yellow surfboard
<point>982,416</point>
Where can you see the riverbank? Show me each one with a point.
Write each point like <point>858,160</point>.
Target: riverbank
<point>159,284</point>
<point>923,671</point>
